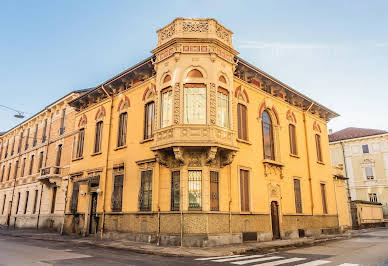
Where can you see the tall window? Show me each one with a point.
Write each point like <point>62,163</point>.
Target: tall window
<point>298,196</point>
<point>195,189</point>
<point>4,201</point>
<point>214,191</point>
<point>244,190</point>
<point>44,137</point>
<point>2,173</point>
<point>195,105</point>
<point>31,164</point>
<point>268,142</point>
<point>80,144</point>
<point>318,147</point>
<point>35,201</point>
<point>59,155</point>
<point>17,206</point>
<point>20,141</point>
<point>292,135</point>
<point>175,191</point>
<point>62,128</point>
<point>122,134</point>
<point>27,139</point>
<point>242,121</point>
<point>16,170</point>
<point>323,193</point>
<point>23,167</point>
<point>222,107</point>
<point>53,198</point>
<point>9,171</point>
<point>13,145</point>
<point>40,164</point>
<point>98,137</point>
<point>365,148</point>
<point>74,197</point>
<point>372,197</point>
<point>369,173</point>
<point>166,107</point>
<point>117,195</point>
<point>145,195</point>
<point>26,203</point>
<point>149,116</point>
<point>35,136</point>
<point>6,149</point>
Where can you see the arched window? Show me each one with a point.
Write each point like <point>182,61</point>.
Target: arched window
<point>268,142</point>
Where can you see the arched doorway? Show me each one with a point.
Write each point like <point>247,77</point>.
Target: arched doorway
<point>275,220</point>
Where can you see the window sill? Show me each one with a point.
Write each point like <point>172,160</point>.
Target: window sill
<point>119,148</point>
<point>295,156</point>
<point>77,159</point>
<point>146,140</point>
<point>276,163</point>
<point>96,153</point>
<point>320,162</point>
<point>243,141</point>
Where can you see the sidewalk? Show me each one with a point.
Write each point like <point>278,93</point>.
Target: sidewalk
<point>171,250</point>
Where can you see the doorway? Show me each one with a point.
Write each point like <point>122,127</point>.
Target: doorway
<point>275,219</point>
<point>93,225</point>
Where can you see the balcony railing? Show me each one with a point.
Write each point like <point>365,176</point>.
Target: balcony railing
<point>50,171</point>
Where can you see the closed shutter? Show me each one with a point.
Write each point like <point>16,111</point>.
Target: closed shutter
<point>244,188</point>
<point>74,197</point>
<point>298,196</point>
<point>214,191</point>
<point>117,196</point>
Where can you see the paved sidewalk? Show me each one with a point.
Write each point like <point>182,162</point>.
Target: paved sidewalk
<point>172,250</point>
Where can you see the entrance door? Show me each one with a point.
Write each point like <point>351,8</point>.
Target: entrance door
<point>275,220</point>
<point>93,226</point>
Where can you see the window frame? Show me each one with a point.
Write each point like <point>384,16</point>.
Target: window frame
<point>225,92</point>
<point>122,130</point>
<point>162,92</point>
<point>191,189</point>
<point>80,143</point>
<point>298,196</point>
<point>98,136</point>
<point>175,196</point>
<point>245,193</point>
<point>185,108</point>
<point>269,126</point>
<point>318,147</point>
<point>324,198</point>
<point>365,151</point>
<point>148,206</point>
<point>214,180</point>
<point>118,188</point>
<point>242,128</point>
<point>292,139</point>
<point>149,123</point>
<point>373,197</point>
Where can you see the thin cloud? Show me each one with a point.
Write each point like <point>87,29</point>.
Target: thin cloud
<point>279,45</point>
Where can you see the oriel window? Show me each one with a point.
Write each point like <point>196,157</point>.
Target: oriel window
<point>149,118</point>
<point>122,133</point>
<point>222,108</point>
<point>195,189</point>
<point>175,190</point>
<point>242,121</point>
<point>195,104</point>
<point>145,195</point>
<point>166,116</point>
<point>98,137</point>
<point>268,142</point>
<point>292,135</point>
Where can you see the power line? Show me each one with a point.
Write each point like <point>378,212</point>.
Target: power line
<point>19,114</point>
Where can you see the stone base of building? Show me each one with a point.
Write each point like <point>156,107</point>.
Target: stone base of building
<point>201,229</point>
<point>46,222</point>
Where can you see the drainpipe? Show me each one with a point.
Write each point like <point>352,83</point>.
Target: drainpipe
<point>45,163</point>
<point>347,182</point>
<point>230,198</point>
<point>106,163</point>
<point>308,157</point>
<point>158,206</point>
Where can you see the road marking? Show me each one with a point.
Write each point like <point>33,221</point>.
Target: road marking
<point>256,260</point>
<point>239,258</point>
<point>223,257</point>
<point>348,264</point>
<point>315,263</point>
<point>280,262</point>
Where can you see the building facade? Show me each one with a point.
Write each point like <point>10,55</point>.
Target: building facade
<point>35,160</point>
<point>363,154</point>
<point>195,146</point>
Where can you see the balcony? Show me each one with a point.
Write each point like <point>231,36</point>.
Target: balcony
<point>50,175</point>
<point>217,143</point>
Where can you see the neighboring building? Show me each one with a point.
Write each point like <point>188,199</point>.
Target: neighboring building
<point>363,153</point>
<point>34,165</point>
<point>194,143</point>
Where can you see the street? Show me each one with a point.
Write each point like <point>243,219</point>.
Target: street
<point>369,248</point>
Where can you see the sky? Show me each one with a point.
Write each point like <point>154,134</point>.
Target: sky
<point>335,52</point>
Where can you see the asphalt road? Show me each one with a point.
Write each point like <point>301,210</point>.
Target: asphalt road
<point>370,248</point>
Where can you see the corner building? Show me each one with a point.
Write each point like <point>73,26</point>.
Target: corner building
<point>195,146</point>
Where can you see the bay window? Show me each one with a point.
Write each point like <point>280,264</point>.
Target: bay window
<point>195,104</point>
<point>222,108</point>
<point>166,107</point>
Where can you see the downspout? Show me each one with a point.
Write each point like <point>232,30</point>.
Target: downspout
<point>230,198</point>
<point>308,158</point>
<point>106,163</point>
<point>159,206</point>
<point>45,162</point>
<point>347,183</point>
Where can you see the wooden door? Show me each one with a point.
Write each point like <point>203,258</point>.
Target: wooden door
<point>275,220</point>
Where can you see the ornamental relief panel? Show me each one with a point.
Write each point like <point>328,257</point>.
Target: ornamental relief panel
<point>177,109</point>
<point>222,33</point>
<point>195,26</point>
<point>167,32</point>
<point>213,104</point>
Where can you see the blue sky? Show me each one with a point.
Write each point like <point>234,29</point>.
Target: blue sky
<point>335,52</point>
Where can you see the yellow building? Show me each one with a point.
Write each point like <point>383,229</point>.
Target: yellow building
<point>363,153</point>
<point>196,144</point>
<point>34,165</point>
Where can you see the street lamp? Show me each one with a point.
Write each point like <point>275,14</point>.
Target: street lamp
<point>19,113</point>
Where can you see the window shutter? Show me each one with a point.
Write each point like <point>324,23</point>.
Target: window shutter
<point>117,195</point>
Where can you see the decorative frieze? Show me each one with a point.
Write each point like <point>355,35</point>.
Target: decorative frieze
<point>195,26</point>
<point>213,104</point>
<point>177,112</point>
